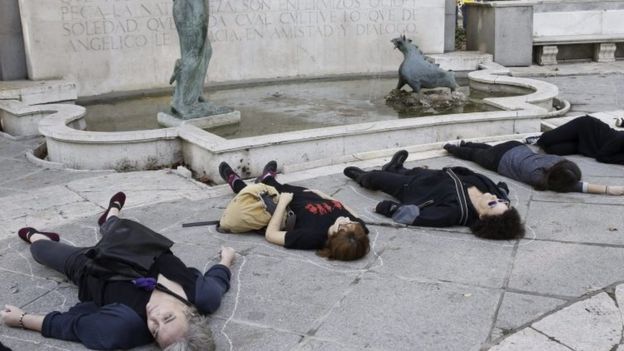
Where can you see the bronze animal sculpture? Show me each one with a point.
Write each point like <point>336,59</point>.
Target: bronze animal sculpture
<point>417,72</point>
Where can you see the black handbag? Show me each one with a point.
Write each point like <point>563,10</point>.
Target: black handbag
<point>127,250</point>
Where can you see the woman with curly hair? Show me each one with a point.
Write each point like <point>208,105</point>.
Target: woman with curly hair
<point>119,309</point>
<point>321,222</point>
<point>444,198</point>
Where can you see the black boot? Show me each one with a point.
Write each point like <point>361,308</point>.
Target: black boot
<point>396,162</point>
<point>354,172</point>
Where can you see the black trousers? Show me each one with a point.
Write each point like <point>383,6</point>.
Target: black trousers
<point>394,184</point>
<point>487,156</point>
<point>587,136</point>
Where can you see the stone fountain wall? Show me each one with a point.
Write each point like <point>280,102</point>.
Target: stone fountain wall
<point>110,46</point>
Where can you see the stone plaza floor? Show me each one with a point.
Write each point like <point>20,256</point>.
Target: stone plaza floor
<point>418,288</point>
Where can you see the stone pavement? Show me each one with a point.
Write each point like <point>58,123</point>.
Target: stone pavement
<point>418,289</point>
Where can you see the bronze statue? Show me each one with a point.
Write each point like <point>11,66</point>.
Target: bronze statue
<point>191,20</point>
<point>417,72</point>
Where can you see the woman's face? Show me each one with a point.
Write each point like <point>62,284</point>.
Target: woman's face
<point>490,205</point>
<point>340,223</point>
<point>166,320</point>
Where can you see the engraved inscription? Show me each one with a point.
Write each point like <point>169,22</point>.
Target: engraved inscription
<point>117,25</point>
<point>107,25</point>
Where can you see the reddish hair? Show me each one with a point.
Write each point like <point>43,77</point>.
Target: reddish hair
<point>347,244</point>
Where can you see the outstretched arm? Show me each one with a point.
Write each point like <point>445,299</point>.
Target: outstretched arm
<point>14,316</point>
<point>603,189</point>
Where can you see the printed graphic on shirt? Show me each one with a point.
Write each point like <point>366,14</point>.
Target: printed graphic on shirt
<point>323,208</point>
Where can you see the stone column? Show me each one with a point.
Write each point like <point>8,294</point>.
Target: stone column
<point>450,22</point>
<point>12,56</point>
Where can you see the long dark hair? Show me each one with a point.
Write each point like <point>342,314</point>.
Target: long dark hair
<point>562,177</point>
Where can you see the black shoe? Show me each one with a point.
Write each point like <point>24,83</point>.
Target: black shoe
<point>396,162</point>
<point>448,147</point>
<point>270,169</point>
<point>226,172</point>
<point>532,139</point>
<point>353,172</point>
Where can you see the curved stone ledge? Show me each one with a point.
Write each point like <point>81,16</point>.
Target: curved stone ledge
<point>69,145</point>
<point>202,151</point>
<point>496,78</point>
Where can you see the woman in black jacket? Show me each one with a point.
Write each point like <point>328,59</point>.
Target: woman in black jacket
<point>167,303</point>
<point>443,198</point>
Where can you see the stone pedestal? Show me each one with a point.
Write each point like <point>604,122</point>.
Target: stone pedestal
<point>547,55</point>
<point>12,56</point>
<point>503,29</point>
<point>168,120</point>
<point>604,52</point>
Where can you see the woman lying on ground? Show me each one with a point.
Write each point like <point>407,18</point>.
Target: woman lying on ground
<point>443,198</point>
<point>587,136</point>
<point>517,161</point>
<point>167,305</point>
<point>321,222</point>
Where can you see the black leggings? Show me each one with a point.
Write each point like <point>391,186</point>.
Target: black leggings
<point>66,259</point>
<point>63,258</point>
<point>487,156</point>
<point>239,184</point>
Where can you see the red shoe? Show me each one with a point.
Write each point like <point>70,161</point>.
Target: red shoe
<point>119,198</point>
<point>27,232</point>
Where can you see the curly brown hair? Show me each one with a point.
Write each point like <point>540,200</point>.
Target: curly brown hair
<point>506,226</point>
<point>346,245</point>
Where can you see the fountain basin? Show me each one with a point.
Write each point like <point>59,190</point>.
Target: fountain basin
<point>202,151</point>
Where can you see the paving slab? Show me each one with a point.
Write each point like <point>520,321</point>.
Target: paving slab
<point>518,309</point>
<point>240,336</point>
<point>589,325</point>
<point>16,169</point>
<point>619,298</point>
<point>565,270</point>
<point>430,255</point>
<point>42,208</point>
<point>529,340</point>
<point>427,314</point>
<point>592,223</point>
<point>323,345</point>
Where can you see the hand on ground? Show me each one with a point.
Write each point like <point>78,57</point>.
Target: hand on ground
<point>615,190</point>
<point>227,255</point>
<point>10,315</point>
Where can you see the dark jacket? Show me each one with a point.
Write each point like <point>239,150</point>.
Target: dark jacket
<point>117,326</point>
<point>442,197</point>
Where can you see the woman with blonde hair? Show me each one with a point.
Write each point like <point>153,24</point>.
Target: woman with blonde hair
<point>132,289</point>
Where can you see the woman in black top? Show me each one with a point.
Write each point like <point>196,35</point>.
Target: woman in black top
<point>322,223</point>
<point>167,304</point>
<point>587,136</point>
